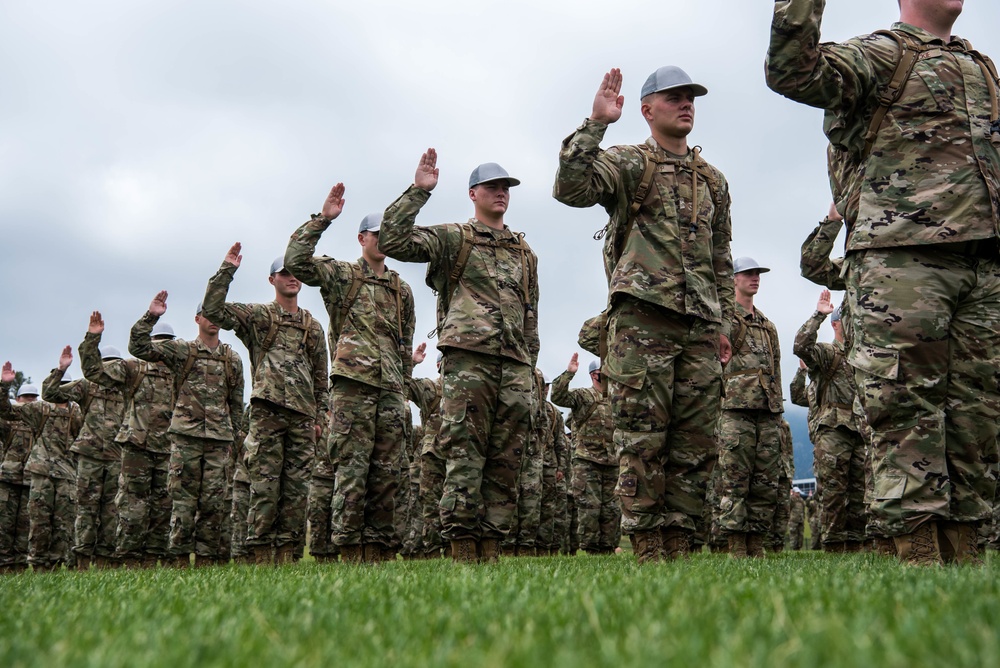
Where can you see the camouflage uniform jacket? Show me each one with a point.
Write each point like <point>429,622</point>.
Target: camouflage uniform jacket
<point>426,394</point>
<point>670,258</point>
<point>752,378</point>
<point>104,412</point>
<point>815,263</point>
<point>933,174</point>
<point>54,428</point>
<point>803,393</point>
<point>148,389</point>
<point>798,510</point>
<point>292,372</point>
<point>210,400</point>
<point>594,438</point>
<point>557,454</point>
<point>322,466</point>
<point>16,437</point>
<point>240,472</point>
<point>787,450</point>
<point>487,312</point>
<point>375,341</point>
<point>834,377</point>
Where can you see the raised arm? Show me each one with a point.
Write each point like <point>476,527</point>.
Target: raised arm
<point>565,397</point>
<point>797,388</point>
<point>113,373</point>
<point>805,346</point>
<point>54,390</point>
<point>172,353</point>
<point>815,263</point>
<point>399,238</point>
<point>231,316</point>
<point>302,246</point>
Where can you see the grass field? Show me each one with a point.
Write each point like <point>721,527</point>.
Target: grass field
<point>791,609</point>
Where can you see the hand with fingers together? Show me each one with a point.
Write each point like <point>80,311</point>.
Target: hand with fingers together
<point>158,306</point>
<point>608,102</point>
<point>426,177</point>
<point>233,257</point>
<point>66,358</point>
<point>420,353</point>
<point>96,323</point>
<point>334,203</point>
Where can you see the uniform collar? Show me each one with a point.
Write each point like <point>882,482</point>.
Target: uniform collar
<point>923,35</point>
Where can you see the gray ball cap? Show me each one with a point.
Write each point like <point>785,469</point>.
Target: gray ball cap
<point>28,390</point>
<point>110,353</point>
<point>66,378</point>
<point>668,77</point>
<point>439,358</point>
<point>370,223</point>
<point>595,366</point>
<point>490,171</point>
<point>742,264</point>
<point>163,329</point>
<point>835,316</point>
<point>197,311</point>
<point>277,265</point>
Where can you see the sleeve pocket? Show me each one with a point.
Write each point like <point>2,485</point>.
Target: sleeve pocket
<point>874,360</point>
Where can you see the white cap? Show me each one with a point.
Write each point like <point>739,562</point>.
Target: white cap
<point>595,366</point>
<point>745,263</point>
<point>668,77</point>
<point>490,171</point>
<point>28,389</point>
<point>163,329</point>
<point>110,353</point>
<point>371,223</point>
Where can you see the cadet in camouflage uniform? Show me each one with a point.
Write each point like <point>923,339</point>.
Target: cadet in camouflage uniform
<point>779,527</point>
<point>401,514</point>
<point>595,472</point>
<point>51,498</point>
<point>239,484</point>
<point>321,487</point>
<point>414,510</point>
<point>208,377</point>
<point>288,366</point>
<point>523,537</point>
<point>371,344</point>
<point>98,457</point>
<point>921,196</point>
<point>670,299</point>
<point>16,438</point>
<point>796,520</point>
<point>426,394</point>
<point>750,426</point>
<point>143,500</point>
<point>839,449</point>
<point>487,283</point>
<point>555,448</point>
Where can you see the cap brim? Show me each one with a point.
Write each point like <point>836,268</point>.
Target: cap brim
<point>510,179</point>
<point>697,89</point>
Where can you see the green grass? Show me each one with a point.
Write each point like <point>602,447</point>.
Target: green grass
<point>792,609</point>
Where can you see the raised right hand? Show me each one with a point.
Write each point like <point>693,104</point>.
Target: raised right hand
<point>574,363</point>
<point>159,304</point>
<point>608,103</point>
<point>66,358</point>
<point>96,323</point>
<point>334,203</point>
<point>824,305</point>
<point>7,375</point>
<point>419,353</point>
<point>426,177</point>
<point>233,257</point>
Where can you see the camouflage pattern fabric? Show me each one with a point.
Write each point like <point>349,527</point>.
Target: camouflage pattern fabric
<point>143,503</point>
<point>689,273</point>
<point>96,525</point>
<point>54,428</point>
<point>813,513</point>
<point>553,488</point>
<point>486,409</point>
<point>815,263</point>
<point>51,509</point>
<point>321,487</point>
<point>597,509</point>
<point>401,515</point>
<point>665,385</point>
<point>18,436</point>
<point>487,312</point>
<point>796,523</point>
<point>367,435</point>
<point>779,527</point>
<point>414,511</point>
<point>14,523</point>
<point>198,481</point>
<point>432,475</point>
<point>594,439</point>
<point>925,356</point>
<point>238,519</point>
<point>102,420</point>
<point>524,531</point>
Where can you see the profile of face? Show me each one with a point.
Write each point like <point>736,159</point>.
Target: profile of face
<point>747,282</point>
<point>369,246</point>
<point>285,284</point>
<point>670,112</point>
<point>492,198</point>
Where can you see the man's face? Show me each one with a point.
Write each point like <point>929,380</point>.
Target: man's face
<point>285,284</point>
<point>369,247</point>
<point>491,198</point>
<point>206,326</point>
<point>747,282</point>
<point>670,112</point>
<point>595,376</point>
<point>27,398</point>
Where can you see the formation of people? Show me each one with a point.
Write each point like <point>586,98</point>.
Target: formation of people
<point>678,442</point>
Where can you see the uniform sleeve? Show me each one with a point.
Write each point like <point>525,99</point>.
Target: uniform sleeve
<point>29,414</point>
<point>235,398</point>
<point>227,315</point>
<point>587,175</point>
<point>805,346</point>
<point>57,392</point>
<point>321,373</point>
<point>531,338</point>
<point>722,260</point>
<point>301,247</point>
<point>113,373</point>
<point>401,239</point>
<point>797,389</point>
<point>409,325</point>
<point>814,261</point>
<point>172,353</point>
<point>828,76</point>
<point>565,397</point>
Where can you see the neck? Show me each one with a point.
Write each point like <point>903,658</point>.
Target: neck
<point>744,300</point>
<point>210,340</point>
<point>492,221</point>
<point>289,304</point>
<point>675,145</point>
<point>377,266</point>
<point>939,26</point>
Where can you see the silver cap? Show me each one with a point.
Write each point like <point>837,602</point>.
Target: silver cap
<point>371,223</point>
<point>110,353</point>
<point>595,366</point>
<point>668,77</point>
<point>490,171</point>
<point>163,329</point>
<point>28,389</point>
<point>277,265</point>
<point>742,264</point>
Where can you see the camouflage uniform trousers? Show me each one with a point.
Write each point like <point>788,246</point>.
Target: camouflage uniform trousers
<point>815,525</point>
<point>750,470</point>
<point>14,523</point>
<point>712,511</point>
<point>198,481</point>
<point>546,537</point>
<point>782,514</point>
<point>840,470</point>
<point>143,503</point>
<point>485,422</point>
<point>51,511</point>
<point>401,515</point>
<point>238,519</point>
<point>432,473</point>
<point>96,514</point>
<point>415,515</point>
<point>796,534</point>
<point>280,445</point>
<point>925,351</point>
<point>598,512</point>
<point>989,531</point>
<point>367,436</point>
<point>524,531</point>
<point>665,387</point>
<point>571,539</point>
<point>320,517</point>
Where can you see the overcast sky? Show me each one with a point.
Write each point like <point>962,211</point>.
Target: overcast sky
<point>139,140</point>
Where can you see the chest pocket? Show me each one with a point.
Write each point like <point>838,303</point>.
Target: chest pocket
<point>925,95</point>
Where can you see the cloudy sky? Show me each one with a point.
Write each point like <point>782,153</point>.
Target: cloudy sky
<point>139,140</point>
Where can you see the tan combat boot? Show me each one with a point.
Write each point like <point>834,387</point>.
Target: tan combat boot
<point>285,555</point>
<point>149,561</point>
<point>854,546</point>
<point>463,551</point>
<point>374,553</point>
<point>884,546</point>
<point>351,554</point>
<point>921,547</point>
<point>676,542</point>
<point>648,546</point>
<point>755,545</point>
<point>834,547</point>
<point>179,562</point>
<point>489,550</point>
<point>508,551</point>
<point>738,545</point>
<point>261,554</point>
<point>959,543</point>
